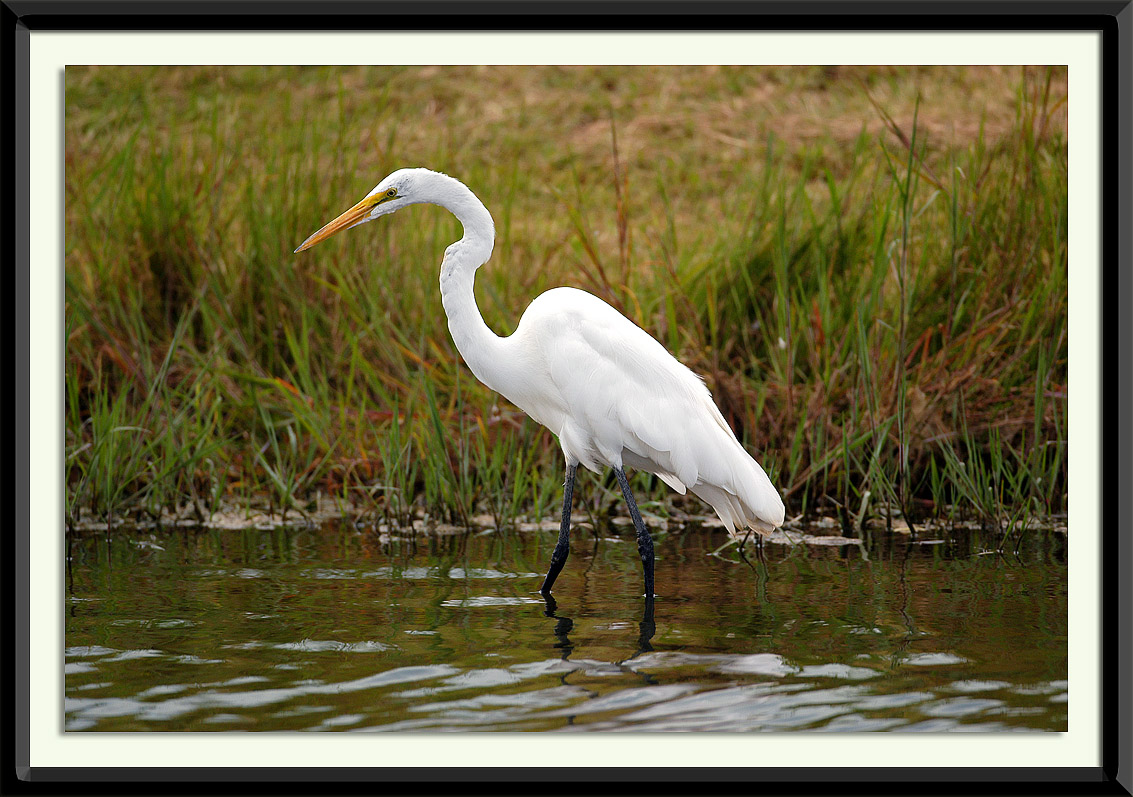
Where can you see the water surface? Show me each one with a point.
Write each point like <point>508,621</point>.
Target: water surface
<point>342,629</point>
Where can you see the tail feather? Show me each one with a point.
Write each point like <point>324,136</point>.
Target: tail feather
<point>704,457</point>
<point>747,500</point>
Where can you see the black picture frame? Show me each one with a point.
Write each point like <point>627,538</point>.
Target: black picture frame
<point>21,19</point>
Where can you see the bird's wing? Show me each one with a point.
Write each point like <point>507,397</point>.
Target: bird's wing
<point>619,396</point>
<point>629,394</point>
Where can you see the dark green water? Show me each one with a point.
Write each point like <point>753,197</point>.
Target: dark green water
<point>338,629</point>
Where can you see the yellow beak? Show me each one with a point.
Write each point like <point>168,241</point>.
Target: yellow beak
<point>347,219</point>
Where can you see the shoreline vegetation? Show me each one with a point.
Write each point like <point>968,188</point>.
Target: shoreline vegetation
<point>868,265</point>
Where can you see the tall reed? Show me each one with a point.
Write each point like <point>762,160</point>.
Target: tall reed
<point>879,306</point>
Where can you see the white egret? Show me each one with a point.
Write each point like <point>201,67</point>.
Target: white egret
<point>608,390</point>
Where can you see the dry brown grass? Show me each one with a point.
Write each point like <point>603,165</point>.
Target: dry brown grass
<point>716,222</point>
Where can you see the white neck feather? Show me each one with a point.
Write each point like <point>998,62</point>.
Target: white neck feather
<point>477,344</point>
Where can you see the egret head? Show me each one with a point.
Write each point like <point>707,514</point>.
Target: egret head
<point>399,189</point>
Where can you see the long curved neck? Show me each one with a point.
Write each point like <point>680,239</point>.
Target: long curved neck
<point>477,344</point>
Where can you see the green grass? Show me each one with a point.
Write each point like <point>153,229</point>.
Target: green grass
<point>868,265</point>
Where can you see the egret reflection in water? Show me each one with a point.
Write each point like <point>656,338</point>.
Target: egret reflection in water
<point>322,629</point>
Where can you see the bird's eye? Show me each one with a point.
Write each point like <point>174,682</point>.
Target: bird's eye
<point>392,192</point>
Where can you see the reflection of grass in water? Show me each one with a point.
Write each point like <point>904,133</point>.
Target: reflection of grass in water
<point>879,306</point>
<point>283,606</point>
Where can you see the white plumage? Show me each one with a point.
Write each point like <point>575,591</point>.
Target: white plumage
<point>608,390</point>
<point>614,396</point>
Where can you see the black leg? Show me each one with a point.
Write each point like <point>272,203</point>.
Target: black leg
<point>562,547</point>
<point>647,628</point>
<point>644,541</point>
<point>740,549</point>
